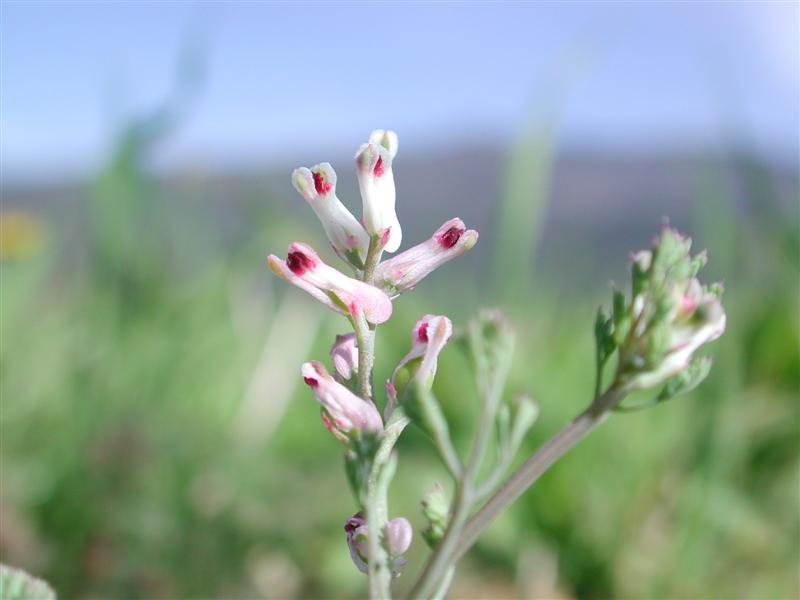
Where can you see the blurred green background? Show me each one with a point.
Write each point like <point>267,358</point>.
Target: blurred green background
<point>156,443</point>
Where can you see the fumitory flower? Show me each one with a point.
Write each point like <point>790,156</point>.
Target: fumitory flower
<point>343,413</point>
<point>344,354</point>
<point>398,539</point>
<point>346,235</point>
<point>428,338</point>
<point>404,271</point>
<point>335,290</point>
<point>376,182</point>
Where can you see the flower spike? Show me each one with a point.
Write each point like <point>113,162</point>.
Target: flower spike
<point>343,413</point>
<point>335,290</point>
<point>404,271</point>
<point>376,182</point>
<point>318,186</point>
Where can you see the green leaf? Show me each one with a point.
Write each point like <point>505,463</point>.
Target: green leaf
<point>604,337</point>
<point>16,584</point>
<point>619,306</point>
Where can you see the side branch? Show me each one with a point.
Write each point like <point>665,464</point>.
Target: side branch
<point>535,466</point>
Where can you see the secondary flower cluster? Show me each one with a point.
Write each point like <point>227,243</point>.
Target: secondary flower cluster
<point>366,296</point>
<point>669,315</point>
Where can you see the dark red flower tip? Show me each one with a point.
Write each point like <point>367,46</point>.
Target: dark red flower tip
<point>322,186</point>
<point>299,263</point>
<point>354,522</point>
<point>311,382</point>
<point>450,237</point>
<point>378,169</point>
<point>422,332</point>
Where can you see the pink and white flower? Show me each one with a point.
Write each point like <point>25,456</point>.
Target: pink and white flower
<point>404,271</point>
<point>343,413</point>
<point>345,295</point>
<point>428,339</point>
<point>376,182</point>
<point>318,186</point>
<point>344,354</point>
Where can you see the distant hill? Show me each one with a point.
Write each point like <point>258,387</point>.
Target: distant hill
<point>599,205</point>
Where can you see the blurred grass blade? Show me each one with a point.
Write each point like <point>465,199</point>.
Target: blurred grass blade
<point>522,210</point>
<point>277,372</point>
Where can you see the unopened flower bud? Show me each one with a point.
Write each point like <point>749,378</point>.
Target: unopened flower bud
<point>376,182</point>
<point>346,235</point>
<point>398,540</point>
<point>437,512</point>
<point>398,536</point>
<point>404,271</point>
<point>344,354</point>
<point>343,413</point>
<point>335,290</point>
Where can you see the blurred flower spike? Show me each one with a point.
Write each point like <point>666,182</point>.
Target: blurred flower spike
<point>406,270</point>
<point>376,182</point>
<point>344,414</point>
<point>670,314</point>
<point>335,290</point>
<point>346,235</point>
<point>398,540</point>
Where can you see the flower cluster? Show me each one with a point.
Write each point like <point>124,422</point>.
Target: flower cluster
<point>365,299</point>
<point>654,333</point>
<point>668,316</point>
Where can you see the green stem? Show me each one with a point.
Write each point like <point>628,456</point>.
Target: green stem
<point>384,463</point>
<point>373,259</point>
<point>432,581</point>
<point>383,467</point>
<point>438,429</point>
<point>445,584</point>
<point>379,570</point>
<point>365,340</point>
<point>432,578</point>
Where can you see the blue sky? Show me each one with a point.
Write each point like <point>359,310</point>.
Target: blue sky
<point>287,77</point>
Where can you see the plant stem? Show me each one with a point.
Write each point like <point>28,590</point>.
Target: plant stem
<point>365,340</point>
<point>439,594</point>
<point>433,580</point>
<point>439,430</point>
<point>379,570</point>
<point>365,333</point>
<point>536,465</point>
<point>373,259</point>
<point>384,463</point>
<point>430,581</point>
